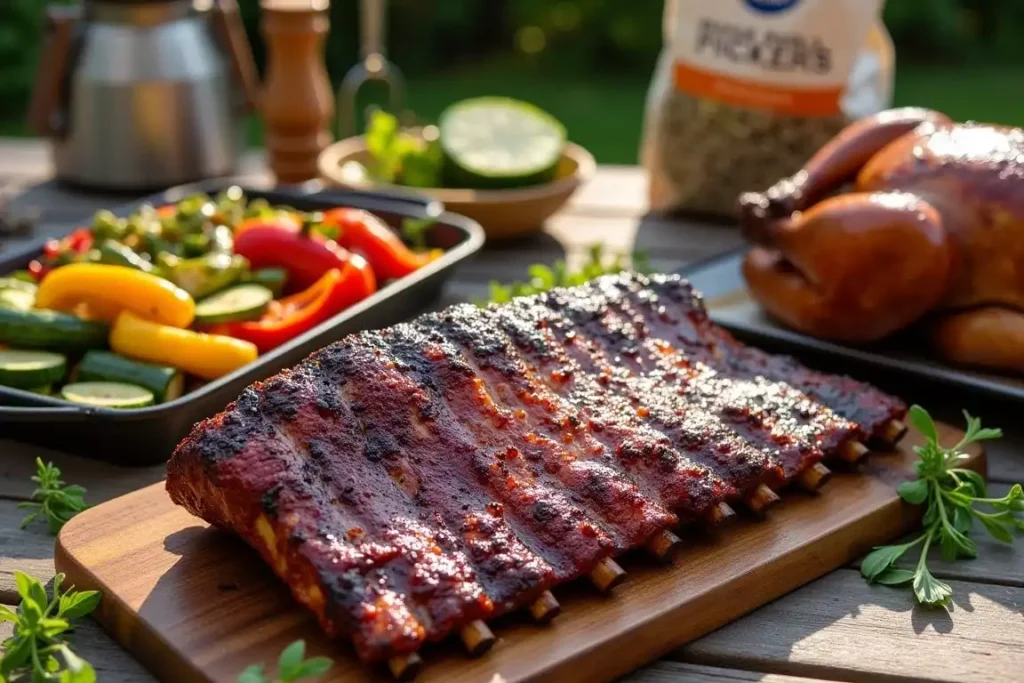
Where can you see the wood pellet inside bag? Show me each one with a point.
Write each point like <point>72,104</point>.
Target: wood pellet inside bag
<point>745,91</point>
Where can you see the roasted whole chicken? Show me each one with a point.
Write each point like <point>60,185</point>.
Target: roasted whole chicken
<point>930,234</point>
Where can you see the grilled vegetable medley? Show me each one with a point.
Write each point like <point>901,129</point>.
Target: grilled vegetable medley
<point>128,312</point>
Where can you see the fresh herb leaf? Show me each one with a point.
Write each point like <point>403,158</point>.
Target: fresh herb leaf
<point>52,500</point>
<point>881,558</point>
<point>894,577</point>
<point>929,590</point>
<point>37,649</point>
<point>544,278</point>
<point>914,492</point>
<point>291,666</point>
<point>951,495</point>
<point>920,418</point>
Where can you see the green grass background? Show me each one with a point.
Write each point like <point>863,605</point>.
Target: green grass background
<point>605,115</point>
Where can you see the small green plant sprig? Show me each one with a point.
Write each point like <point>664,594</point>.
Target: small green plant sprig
<point>544,278</point>
<point>52,499</point>
<point>37,649</point>
<point>951,495</point>
<point>290,666</point>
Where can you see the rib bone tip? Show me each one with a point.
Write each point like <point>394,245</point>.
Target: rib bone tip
<point>892,431</point>
<point>814,477</point>
<point>405,667</point>
<point>477,637</point>
<point>545,608</point>
<point>852,451</point>
<point>607,574</point>
<point>720,513</point>
<point>761,499</point>
<point>663,545</point>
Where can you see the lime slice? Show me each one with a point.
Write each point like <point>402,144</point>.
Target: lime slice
<point>244,302</point>
<point>30,369</point>
<point>498,142</point>
<point>107,394</point>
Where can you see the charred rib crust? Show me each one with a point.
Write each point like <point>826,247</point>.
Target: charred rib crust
<point>406,481</point>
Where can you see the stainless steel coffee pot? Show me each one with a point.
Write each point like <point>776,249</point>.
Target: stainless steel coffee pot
<point>142,94</point>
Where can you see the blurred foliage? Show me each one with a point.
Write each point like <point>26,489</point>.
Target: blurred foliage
<point>590,39</point>
<point>21,34</point>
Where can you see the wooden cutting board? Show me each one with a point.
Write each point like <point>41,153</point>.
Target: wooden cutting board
<point>197,605</point>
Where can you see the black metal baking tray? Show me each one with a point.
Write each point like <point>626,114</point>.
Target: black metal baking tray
<point>148,436</point>
<point>720,280</point>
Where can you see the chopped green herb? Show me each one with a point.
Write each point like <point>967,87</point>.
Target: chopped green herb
<point>544,278</point>
<point>37,649</point>
<point>290,667</point>
<point>951,495</point>
<point>52,499</point>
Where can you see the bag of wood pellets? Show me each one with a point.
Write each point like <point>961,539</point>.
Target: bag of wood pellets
<point>745,91</point>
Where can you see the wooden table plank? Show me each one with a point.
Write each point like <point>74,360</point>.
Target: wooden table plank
<point>112,664</point>
<point>676,672</point>
<point>618,190</point>
<point>28,550</point>
<point>101,480</point>
<point>840,627</point>
<point>835,628</point>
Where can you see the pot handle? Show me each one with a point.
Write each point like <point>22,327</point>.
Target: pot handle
<point>227,23</point>
<point>43,109</point>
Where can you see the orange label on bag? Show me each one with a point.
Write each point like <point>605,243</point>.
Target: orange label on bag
<point>745,93</point>
<point>791,56</point>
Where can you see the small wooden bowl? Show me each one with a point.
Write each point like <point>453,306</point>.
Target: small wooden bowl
<point>502,213</point>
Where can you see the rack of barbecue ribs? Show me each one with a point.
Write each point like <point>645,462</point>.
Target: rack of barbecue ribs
<point>412,482</point>
<point>931,233</point>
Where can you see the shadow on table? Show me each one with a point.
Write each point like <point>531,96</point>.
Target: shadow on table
<point>839,622</point>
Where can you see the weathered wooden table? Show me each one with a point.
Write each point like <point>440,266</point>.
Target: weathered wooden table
<point>836,628</point>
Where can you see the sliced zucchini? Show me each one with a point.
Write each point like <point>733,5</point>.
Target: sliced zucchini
<point>30,369</point>
<point>107,395</point>
<point>498,142</point>
<point>165,382</point>
<point>13,282</point>
<point>17,298</point>
<point>40,329</point>
<point>273,279</point>
<point>242,302</point>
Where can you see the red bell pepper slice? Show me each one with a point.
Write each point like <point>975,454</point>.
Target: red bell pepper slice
<point>275,242</point>
<point>287,318</point>
<point>366,234</point>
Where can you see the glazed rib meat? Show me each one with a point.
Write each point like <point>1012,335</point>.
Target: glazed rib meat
<point>407,481</point>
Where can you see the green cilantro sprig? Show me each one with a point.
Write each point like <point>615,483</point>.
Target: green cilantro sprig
<point>951,495</point>
<point>544,278</point>
<point>37,648</point>
<point>290,666</point>
<point>52,499</point>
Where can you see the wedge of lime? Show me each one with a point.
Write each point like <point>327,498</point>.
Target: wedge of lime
<point>498,142</point>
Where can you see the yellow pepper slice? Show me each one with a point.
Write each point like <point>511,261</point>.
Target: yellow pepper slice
<point>208,356</point>
<point>108,290</point>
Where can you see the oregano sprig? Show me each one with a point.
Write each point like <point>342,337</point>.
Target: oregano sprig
<point>291,666</point>
<point>38,649</point>
<point>951,495</point>
<point>52,499</point>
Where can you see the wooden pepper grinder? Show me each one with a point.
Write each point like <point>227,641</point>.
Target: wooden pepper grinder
<point>297,101</point>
